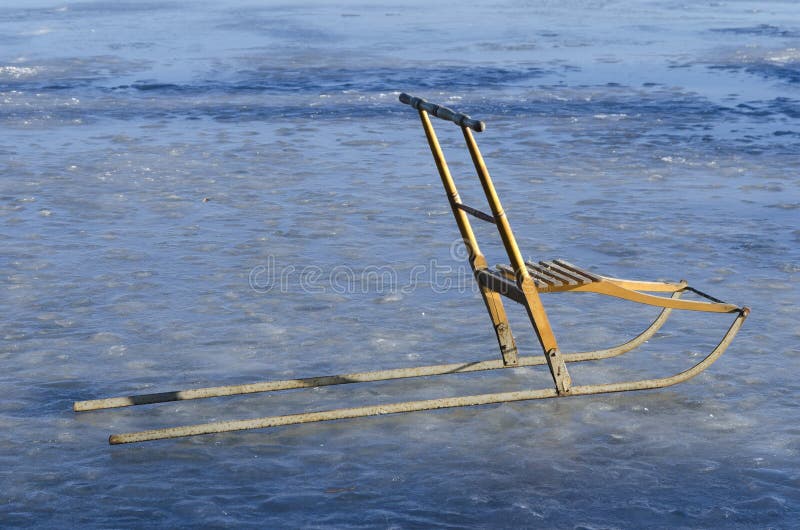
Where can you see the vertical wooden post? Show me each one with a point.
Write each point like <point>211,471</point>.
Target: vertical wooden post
<point>477,261</point>
<point>533,303</point>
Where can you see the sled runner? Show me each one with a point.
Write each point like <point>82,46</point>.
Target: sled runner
<point>521,281</point>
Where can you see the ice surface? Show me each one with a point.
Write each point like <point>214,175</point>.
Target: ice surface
<point>219,193</point>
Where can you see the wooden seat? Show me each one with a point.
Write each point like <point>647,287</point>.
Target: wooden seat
<point>552,276</point>
<point>548,276</point>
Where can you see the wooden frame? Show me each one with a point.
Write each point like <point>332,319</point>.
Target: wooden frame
<point>521,282</point>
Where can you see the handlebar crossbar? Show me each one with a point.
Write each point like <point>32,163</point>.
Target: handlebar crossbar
<point>443,112</point>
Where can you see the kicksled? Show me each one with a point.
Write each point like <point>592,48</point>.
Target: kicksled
<point>522,282</point>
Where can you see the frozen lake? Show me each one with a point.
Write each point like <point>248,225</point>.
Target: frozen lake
<point>181,185</point>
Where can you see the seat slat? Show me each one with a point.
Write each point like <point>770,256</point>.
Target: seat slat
<point>554,268</point>
<point>543,272</point>
<point>547,279</point>
<point>508,272</point>
<point>555,275</point>
<point>567,265</point>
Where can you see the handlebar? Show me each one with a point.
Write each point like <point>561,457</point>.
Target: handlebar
<point>443,112</point>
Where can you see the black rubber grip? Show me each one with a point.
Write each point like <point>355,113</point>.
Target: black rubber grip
<point>443,112</point>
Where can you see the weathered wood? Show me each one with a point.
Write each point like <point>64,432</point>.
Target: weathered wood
<point>549,276</point>
<point>573,278</point>
<point>581,272</point>
<point>506,271</point>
